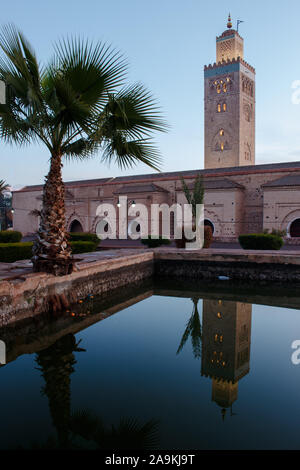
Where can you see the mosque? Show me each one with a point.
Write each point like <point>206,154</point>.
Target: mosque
<point>240,196</point>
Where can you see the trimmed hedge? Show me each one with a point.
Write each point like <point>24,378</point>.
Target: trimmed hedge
<point>260,241</point>
<point>82,247</point>
<point>10,236</point>
<point>155,242</point>
<point>10,252</point>
<point>84,237</point>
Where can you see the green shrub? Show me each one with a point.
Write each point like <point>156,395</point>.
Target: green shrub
<point>10,252</point>
<point>84,237</point>
<point>10,236</point>
<point>82,247</point>
<point>155,242</point>
<point>260,241</point>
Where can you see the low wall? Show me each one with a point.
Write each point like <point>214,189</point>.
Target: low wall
<point>35,293</point>
<point>235,264</point>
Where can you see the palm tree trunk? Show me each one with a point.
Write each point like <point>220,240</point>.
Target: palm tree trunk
<point>51,251</point>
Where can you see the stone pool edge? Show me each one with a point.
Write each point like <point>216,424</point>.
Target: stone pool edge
<point>31,294</point>
<point>27,294</point>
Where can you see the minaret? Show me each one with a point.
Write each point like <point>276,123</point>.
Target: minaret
<point>229,98</point>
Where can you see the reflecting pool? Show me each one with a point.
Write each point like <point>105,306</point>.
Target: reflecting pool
<point>157,366</point>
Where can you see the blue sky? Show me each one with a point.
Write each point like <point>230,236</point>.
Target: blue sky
<point>167,43</point>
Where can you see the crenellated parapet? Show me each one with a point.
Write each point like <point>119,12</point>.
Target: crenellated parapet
<point>233,61</point>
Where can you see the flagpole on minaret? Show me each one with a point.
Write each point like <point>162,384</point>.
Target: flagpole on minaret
<point>238,23</point>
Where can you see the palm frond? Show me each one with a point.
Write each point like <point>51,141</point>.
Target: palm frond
<point>186,191</point>
<point>92,70</point>
<point>81,149</point>
<point>196,196</point>
<point>3,186</point>
<point>130,434</point>
<point>134,111</point>
<point>19,61</point>
<point>128,153</point>
<point>85,424</point>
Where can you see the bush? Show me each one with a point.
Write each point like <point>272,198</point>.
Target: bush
<point>260,241</point>
<point>10,252</point>
<point>84,237</point>
<point>10,236</point>
<point>82,247</point>
<point>155,242</point>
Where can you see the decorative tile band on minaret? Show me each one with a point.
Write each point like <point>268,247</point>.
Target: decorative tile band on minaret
<point>229,104</point>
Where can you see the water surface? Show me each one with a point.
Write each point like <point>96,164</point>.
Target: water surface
<point>206,367</point>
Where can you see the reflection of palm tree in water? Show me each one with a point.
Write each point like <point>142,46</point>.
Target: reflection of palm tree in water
<point>56,364</point>
<point>193,329</point>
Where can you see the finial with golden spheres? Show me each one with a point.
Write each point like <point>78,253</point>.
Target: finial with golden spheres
<point>229,24</point>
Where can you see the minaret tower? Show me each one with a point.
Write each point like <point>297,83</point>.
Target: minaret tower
<point>229,98</point>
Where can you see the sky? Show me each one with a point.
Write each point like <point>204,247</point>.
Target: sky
<point>167,43</point>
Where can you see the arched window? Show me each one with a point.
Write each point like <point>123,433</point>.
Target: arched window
<point>224,107</point>
<point>295,229</point>
<point>219,109</point>
<point>208,223</point>
<point>76,227</point>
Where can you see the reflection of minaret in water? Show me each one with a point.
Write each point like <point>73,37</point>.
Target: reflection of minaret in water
<point>226,338</point>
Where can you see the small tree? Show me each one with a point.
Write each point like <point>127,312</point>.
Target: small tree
<point>196,196</point>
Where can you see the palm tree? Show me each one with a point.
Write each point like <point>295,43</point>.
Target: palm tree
<point>193,329</point>
<point>75,105</point>
<point>196,196</point>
